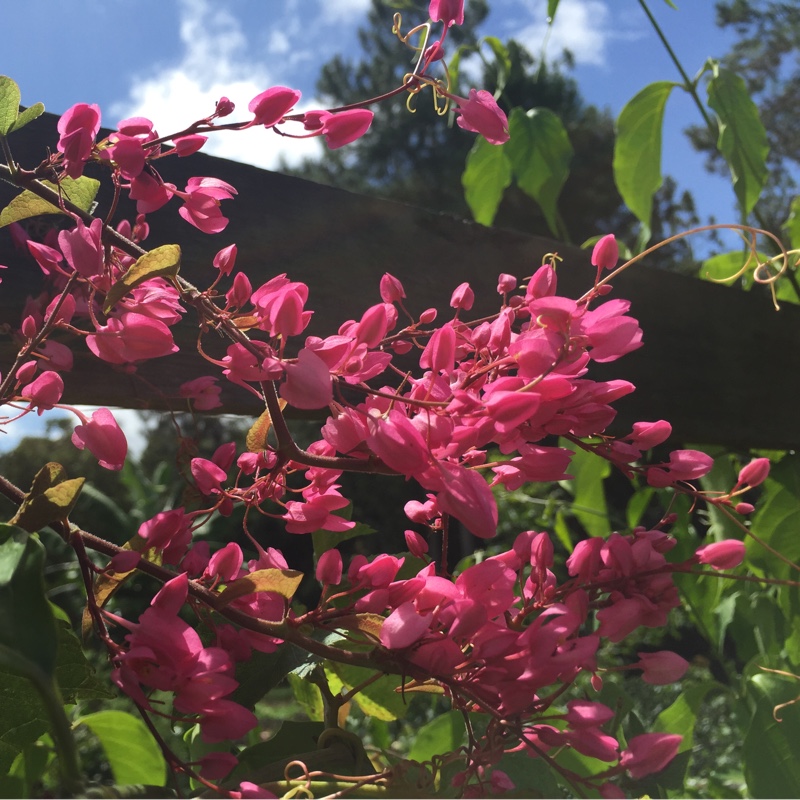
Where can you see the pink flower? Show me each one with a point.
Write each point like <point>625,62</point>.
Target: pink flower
<point>168,531</point>
<point>662,667</point>
<point>726,554</point>
<point>44,392</point>
<point>649,753</point>
<point>103,438</point>
<point>131,337</point>
<point>225,259</point>
<point>480,114</point>
<point>606,253</point>
<point>78,128</point>
<point>83,248</point>
<point>204,393</point>
<point>683,465</point>
<point>391,289</point>
<point>329,568</point>
<point>754,473</point>
<point>186,145</point>
<point>450,12</point>
<point>202,199</point>
<point>224,107</point>
<point>270,106</point>
<point>404,626</point>
<point>463,297</point>
<point>207,475</point>
<point>308,382</point>
<point>340,128</point>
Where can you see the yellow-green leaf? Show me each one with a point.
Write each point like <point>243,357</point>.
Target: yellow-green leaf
<point>540,154</point>
<point>486,175</point>
<point>281,581</point>
<point>637,149</point>
<point>51,498</point>
<point>9,104</point>
<point>256,439</point>
<point>742,138</point>
<point>162,262</point>
<point>81,192</point>
<point>28,115</point>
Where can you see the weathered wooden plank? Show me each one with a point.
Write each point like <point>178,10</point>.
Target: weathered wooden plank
<point>721,365</point>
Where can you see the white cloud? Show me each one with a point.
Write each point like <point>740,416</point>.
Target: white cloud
<point>584,27</point>
<point>343,11</point>
<point>214,63</point>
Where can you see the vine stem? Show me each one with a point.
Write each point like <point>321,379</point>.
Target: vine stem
<point>688,83</point>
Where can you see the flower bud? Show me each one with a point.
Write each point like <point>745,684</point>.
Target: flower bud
<point>726,554</point>
<point>606,252</point>
<point>754,473</point>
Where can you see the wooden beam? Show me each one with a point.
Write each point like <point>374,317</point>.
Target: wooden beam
<point>721,365</point>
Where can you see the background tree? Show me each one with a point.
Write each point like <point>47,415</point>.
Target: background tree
<point>415,161</point>
<point>766,57</point>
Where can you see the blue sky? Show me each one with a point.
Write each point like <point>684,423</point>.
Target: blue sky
<point>171,59</point>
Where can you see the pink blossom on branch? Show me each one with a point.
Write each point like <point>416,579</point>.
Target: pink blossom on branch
<point>103,438</point>
<point>202,199</point>
<point>339,128</point>
<point>726,554</point>
<point>480,113</point>
<point>271,106</point>
<point>78,127</point>
<point>450,12</point>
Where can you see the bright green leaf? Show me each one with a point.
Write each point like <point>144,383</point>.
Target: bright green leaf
<point>309,696</point>
<point>27,625</point>
<point>443,734</point>
<point>9,104</point>
<point>540,154</point>
<point>742,139</point>
<point>379,699</point>
<point>486,176</point>
<point>80,191</point>
<point>681,716</point>
<point>280,581</point>
<point>724,267</point>
<point>637,149</point>
<point>771,766</point>
<point>132,752</point>
<point>161,262</point>
<point>552,7</point>
<point>588,496</point>
<point>28,115</point>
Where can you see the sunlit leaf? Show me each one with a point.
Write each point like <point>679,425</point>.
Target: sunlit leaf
<point>28,115</point>
<point>132,752</point>
<point>256,439</point>
<point>637,149</point>
<point>742,138</point>
<point>540,154</point>
<point>588,495</point>
<point>51,498</point>
<point>9,103</point>
<point>379,699</point>
<point>81,192</point>
<point>444,734</point>
<point>486,176</point>
<point>281,581</point>
<point>161,262</point>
